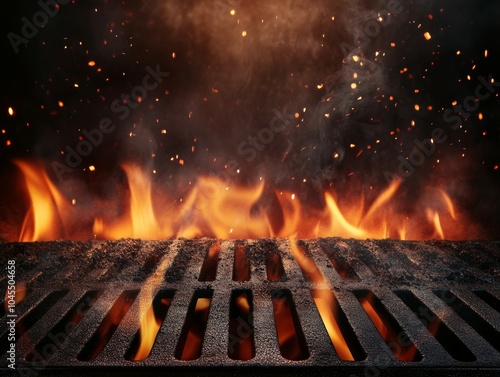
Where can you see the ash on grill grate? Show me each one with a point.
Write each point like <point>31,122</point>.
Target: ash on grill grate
<point>211,307</point>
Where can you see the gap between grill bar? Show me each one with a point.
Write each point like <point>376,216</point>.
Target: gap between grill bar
<point>170,332</point>
<point>215,344</point>
<point>132,321</point>
<point>33,299</point>
<point>426,344</point>
<point>124,334</point>
<point>321,261</point>
<point>258,271</point>
<point>86,329</point>
<point>318,342</point>
<point>483,351</point>
<point>368,337</point>
<point>291,267</point>
<point>45,324</point>
<point>489,314</point>
<point>223,286</point>
<point>488,297</point>
<point>191,342</point>
<point>471,317</point>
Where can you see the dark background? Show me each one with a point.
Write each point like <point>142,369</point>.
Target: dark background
<point>223,88</point>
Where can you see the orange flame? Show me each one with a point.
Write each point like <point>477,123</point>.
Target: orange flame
<point>212,209</point>
<point>194,339</point>
<point>403,353</point>
<point>150,324</point>
<point>222,211</point>
<point>324,303</point>
<point>286,331</point>
<point>324,300</point>
<point>43,221</point>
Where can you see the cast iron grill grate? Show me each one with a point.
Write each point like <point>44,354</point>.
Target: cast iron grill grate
<point>329,306</point>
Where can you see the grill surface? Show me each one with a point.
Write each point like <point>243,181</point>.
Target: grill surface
<point>455,281</point>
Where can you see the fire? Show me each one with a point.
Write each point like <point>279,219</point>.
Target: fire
<point>43,221</point>
<point>221,211</point>
<point>151,322</point>
<point>148,332</point>
<point>390,335</point>
<point>241,345</point>
<point>194,337</point>
<point>214,209</point>
<point>325,301</point>
<point>21,292</point>
<point>141,223</point>
<point>288,336</point>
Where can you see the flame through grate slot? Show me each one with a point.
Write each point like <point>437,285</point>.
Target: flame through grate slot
<point>143,341</point>
<point>108,326</point>
<point>59,333</point>
<point>213,307</point>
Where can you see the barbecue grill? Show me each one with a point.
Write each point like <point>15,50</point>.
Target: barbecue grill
<point>252,307</point>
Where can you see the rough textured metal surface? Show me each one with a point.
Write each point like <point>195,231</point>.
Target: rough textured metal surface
<point>347,266</point>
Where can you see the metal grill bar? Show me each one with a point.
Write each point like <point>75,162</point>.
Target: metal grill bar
<point>346,266</point>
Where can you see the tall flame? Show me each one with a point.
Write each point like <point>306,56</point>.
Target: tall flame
<point>324,299</point>
<point>43,220</point>
<point>224,212</point>
<point>150,324</point>
<point>141,223</point>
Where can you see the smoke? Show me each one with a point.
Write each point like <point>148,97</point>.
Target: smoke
<point>272,55</point>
